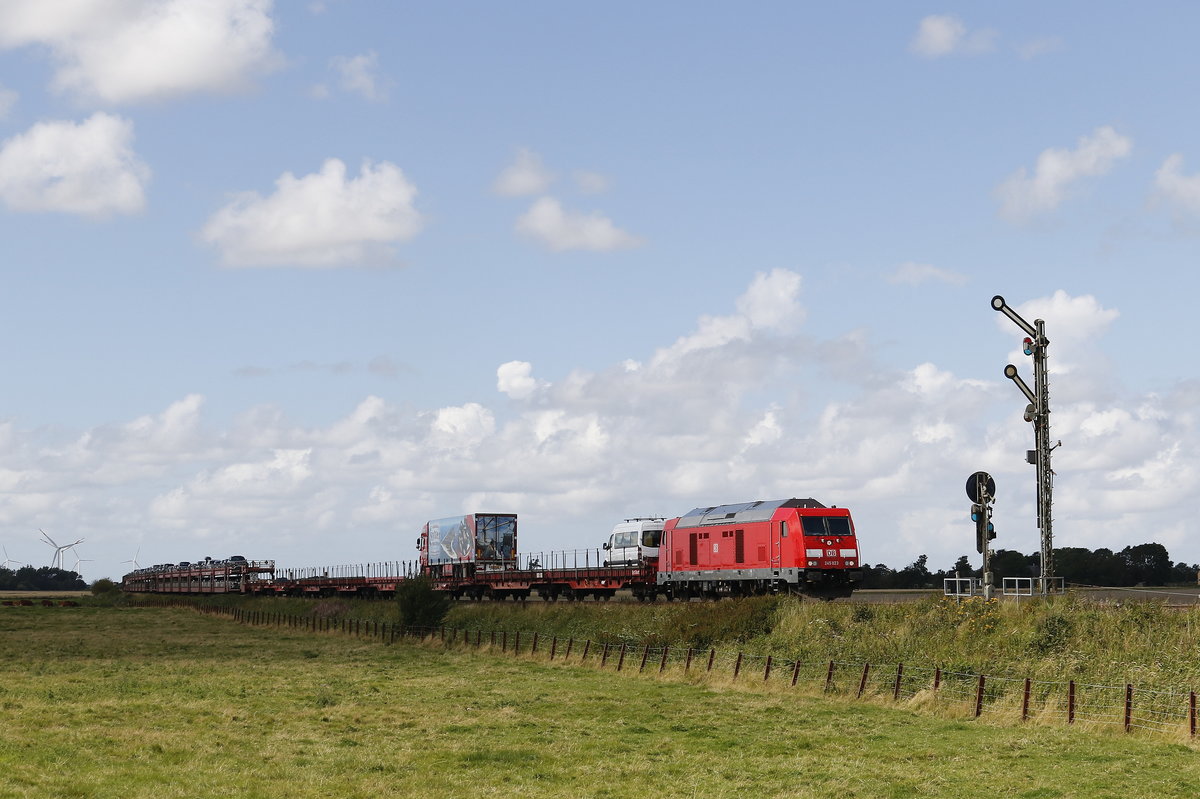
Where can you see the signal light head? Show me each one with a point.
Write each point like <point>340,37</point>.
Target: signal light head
<point>1027,345</point>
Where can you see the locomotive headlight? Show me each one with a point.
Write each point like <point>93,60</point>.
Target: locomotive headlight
<point>849,563</point>
<point>812,563</point>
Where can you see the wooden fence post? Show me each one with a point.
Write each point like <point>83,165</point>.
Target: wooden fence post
<point>829,677</point>
<point>899,677</point>
<point>1071,702</point>
<point>621,661</point>
<point>645,654</point>
<point>767,669</point>
<point>737,667</point>
<point>687,663</point>
<point>663,665</point>
<point>1192,714</point>
<point>587,644</point>
<point>862,683</point>
<point>1025,702</point>
<point>533,649</point>
<point>604,656</point>
<point>712,655</point>
<point>795,673</point>
<point>1128,706</point>
<point>570,643</point>
<point>553,646</point>
<point>979,697</point>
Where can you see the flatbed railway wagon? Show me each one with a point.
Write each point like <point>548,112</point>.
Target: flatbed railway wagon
<point>795,546</point>
<point>233,576</point>
<point>475,557</point>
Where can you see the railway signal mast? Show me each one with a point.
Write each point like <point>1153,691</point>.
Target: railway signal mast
<point>1037,412</point>
<point>981,490</point>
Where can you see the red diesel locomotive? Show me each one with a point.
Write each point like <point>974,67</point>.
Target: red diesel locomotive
<point>796,546</point>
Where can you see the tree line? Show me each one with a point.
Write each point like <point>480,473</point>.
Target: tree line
<point>1144,564</point>
<point>46,578</point>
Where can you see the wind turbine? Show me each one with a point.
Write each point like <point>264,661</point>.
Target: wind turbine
<point>79,560</point>
<point>56,561</point>
<point>8,562</point>
<point>133,560</point>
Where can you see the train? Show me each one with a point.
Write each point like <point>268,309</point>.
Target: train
<point>792,546</point>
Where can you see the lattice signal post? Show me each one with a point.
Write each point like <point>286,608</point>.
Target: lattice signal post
<point>1037,412</point>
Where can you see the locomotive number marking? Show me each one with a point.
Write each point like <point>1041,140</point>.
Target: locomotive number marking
<point>831,553</point>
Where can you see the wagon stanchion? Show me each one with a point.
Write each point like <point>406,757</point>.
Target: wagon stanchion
<point>979,698</point>
<point>862,683</point>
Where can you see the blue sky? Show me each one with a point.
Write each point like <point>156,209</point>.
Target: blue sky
<point>288,279</point>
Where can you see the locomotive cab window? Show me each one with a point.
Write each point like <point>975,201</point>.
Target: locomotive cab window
<point>839,525</point>
<point>813,525</point>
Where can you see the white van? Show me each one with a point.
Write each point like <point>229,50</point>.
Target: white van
<point>633,540</point>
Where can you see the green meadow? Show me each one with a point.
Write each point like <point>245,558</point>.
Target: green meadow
<point>156,702</point>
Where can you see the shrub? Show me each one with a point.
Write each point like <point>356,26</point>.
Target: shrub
<point>104,586</point>
<point>420,605</point>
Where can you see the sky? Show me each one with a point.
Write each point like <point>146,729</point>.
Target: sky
<point>288,279</point>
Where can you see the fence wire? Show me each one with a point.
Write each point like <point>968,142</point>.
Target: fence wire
<point>1168,711</point>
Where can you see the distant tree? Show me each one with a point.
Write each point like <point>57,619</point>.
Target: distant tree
<point>1185,574</point>
<point>1147,564</point>
<point>962,567</point>
<point>1010,563</point>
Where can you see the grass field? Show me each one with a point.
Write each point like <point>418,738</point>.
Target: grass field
<point>102,702</point>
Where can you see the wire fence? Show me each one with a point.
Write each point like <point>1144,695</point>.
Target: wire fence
<point>1002,697</point>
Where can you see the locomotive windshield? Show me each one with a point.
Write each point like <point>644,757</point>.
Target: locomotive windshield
<point>826,525</point>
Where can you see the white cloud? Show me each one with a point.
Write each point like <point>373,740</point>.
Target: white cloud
<point>1039,47</point>
<point>591,182</point>
<point>770,303</point>
<point>1023,196</point>
<point>359,75</point>
<point>84,168</point>
<point>524,176</point>
<point>548,223</point>
<point>1181,190</point>
<point>943,34</point>
<point>914,274</point>
<point>8,98</point>
<point>515,379</point>
<point>120,51</point>
<point>322,219</point>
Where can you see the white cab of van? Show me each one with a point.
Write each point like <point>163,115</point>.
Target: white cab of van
<point>633,541</point>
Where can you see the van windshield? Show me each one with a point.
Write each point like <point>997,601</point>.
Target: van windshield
<point>651,538</point>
